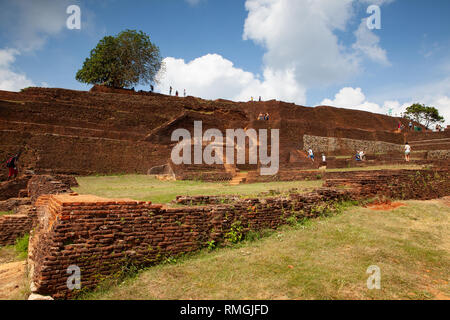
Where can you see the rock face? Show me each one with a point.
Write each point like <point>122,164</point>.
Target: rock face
<point>121,131</point>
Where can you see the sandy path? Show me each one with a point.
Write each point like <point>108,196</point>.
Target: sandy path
<point>12,278</point>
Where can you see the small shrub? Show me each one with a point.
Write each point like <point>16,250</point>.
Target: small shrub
<point>211,245</point>
<point>235,234</point>
<point>21,246</point>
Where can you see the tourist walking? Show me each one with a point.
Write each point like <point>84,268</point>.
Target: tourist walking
<point>11,164</point>
<point>407,152</point>
<point>170,91</point>
<point>311,154</point>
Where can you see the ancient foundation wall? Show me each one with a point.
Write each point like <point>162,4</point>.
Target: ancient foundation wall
<point>81,155</point>
<point>332,145</point>
<point>13,227</point>
<point>105,236</point>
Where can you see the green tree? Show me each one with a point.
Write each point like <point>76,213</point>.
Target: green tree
<point>424,115</point>
<point>128,59</point>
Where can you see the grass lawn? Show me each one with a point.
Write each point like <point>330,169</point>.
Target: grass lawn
<point>4,213</point>
<point>326,258</point>
<point>147,188</point>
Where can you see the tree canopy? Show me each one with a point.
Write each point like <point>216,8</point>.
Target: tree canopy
<point>424,115</point>
<point>121,61</point>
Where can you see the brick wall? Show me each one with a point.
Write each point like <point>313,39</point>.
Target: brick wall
<point>395,184</point>
<point>104,236</point>
<point>16,225</point>
<point>331,145</point>
<point>101,236</point>
<point>13,227</point>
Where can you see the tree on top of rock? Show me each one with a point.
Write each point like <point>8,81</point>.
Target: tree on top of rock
<point>424,115</point>
<point>128,59</point>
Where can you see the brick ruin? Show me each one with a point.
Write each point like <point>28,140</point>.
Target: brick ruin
<point>24,202</point>
<point>70,132</point>
<point>66,133</point>
<point>106,236</point>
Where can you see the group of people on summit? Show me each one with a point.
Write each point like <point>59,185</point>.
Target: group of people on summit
<point>176,92</point>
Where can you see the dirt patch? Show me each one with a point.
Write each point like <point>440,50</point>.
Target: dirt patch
<point>387,206</point>
<point>446,201</point>
<point>12,276</point>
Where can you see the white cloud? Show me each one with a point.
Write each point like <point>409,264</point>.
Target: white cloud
<point>9,79</point>
<point>299,36</point>
<point>33,21</point>
<point>212,76</point>
<point>354,98</point>
<point>368,44</point>
<point>351,98</point>
<point>302,50</point>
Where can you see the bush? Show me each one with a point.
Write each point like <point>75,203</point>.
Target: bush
<point>21,246</point>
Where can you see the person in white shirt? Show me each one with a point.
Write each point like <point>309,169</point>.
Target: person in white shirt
<point>324,158</point>
<point>311,154</point>
<point>407,151</point>
<point>361,155</point>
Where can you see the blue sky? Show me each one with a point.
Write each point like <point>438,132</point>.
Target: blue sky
<point>307,52</point>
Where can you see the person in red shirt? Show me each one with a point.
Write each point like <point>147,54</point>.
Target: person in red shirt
<point>12,166</point>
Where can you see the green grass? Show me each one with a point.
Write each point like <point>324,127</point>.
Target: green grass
<point>4,213</point>
<point>21,246</point>
<point>326,258</point>
<point>17,252</point>
<point>147,188</point>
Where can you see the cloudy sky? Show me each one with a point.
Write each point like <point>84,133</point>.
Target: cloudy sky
<point>310,52</point>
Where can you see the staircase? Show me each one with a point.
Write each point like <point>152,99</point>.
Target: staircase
<point>239,178</point>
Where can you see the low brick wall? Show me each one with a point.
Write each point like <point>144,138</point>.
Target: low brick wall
<point>16,225</point>
<point>395,184</point>
<point>206,176</point>
<point>11,189</point>
<point>47,184</point>
<point>13,227</point>
<point>102,236</point>
<point>332,145</point>
<point>205,200</point>
<point>286,175</point>
<point>105,236</point>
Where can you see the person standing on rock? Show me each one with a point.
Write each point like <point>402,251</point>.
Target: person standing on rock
<point>170,91</point>
<point>407,152</point>
<point>176,93</point>
<point>11,164</point>
<point>184,93</point>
